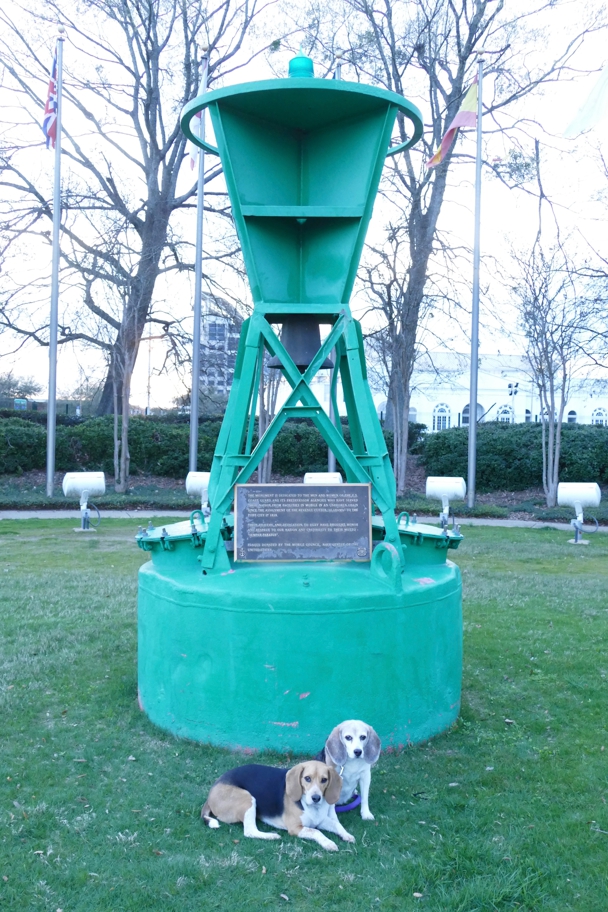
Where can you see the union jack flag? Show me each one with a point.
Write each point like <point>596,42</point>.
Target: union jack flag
<point>49,123</point>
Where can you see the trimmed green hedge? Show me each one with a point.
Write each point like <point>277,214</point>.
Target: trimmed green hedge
<point>22,446</point>
<point>156,447</point>
<point>509,456</point>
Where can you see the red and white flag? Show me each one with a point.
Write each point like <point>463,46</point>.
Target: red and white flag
<point>466,117</point>
<point>49,123</point>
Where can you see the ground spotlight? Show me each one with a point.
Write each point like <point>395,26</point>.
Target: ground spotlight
<point>84,485</point>
<point>445,489</point>
<point>579,495</point>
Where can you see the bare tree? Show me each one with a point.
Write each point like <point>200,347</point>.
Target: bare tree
<point>426,49</point>
<point>556,316</point>
<point>130,68</point>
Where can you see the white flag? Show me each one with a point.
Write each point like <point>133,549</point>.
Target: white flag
<point>593,110</point>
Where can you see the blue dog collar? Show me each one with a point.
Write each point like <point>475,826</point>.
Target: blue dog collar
<point>354,802</point>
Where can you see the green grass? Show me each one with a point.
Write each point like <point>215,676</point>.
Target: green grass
<point>18,493</point>
<point>99,810</point>
<point>417,503</point>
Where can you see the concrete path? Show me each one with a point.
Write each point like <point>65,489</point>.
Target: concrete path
<point>137,515</point>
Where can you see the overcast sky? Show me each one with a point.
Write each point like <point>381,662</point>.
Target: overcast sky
<point>571,178</point>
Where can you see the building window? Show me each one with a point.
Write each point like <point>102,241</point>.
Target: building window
<point>216,331</point>
<point>571,417</point>
<point>505,414</point>
<point>441,417</point>
<point>600,416</point>
<point>465,414</point>
<point>413,414</point>
<point>528,415</point>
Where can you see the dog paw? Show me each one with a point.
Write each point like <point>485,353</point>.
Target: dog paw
<point>330,846</point>
<point>348,837</point>
<point>367,815</point>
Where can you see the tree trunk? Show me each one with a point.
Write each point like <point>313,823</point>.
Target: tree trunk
<point>269,388</point>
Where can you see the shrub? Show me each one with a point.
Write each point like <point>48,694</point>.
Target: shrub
<point>22,446</point>
<point>509,456</point>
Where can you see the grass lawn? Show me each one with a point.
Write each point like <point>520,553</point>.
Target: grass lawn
<point>99,810</point>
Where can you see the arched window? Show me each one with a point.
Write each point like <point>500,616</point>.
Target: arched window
<point>528,415</point>
<point>465,414</point>
<point>571,417</point>
<point>600,416</point>
<point>505,414</point>
<point>441,417</point>
<point>413,414</point>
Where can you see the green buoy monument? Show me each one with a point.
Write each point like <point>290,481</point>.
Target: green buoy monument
<point>291,607</point>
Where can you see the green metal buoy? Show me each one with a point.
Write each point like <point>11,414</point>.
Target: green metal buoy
<point>274,655</point>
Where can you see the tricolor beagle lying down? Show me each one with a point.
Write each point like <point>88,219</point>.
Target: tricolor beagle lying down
<point>352,749</point>
<point>300,800</point>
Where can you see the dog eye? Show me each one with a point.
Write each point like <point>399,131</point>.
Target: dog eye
<point>349,737</point>
<point>363,737</point>
<point>324,779</point>
<point>307,779</point>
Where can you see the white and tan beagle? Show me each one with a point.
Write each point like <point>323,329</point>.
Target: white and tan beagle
<point>352,749</point>
<point>300,800</point>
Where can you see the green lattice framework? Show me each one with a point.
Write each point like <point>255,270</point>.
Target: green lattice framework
<point>302,159</point>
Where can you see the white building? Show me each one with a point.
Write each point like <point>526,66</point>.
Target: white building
<point>440,392</point>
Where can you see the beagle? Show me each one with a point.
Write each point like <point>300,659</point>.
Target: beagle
<point>300,800</point>
<point>352,749</point>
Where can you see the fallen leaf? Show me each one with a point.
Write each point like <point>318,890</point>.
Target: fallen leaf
<point>418,895</point>
<point>510,721</point>
<point>130,758</point>
<point>453,785</point>
<point>286,898</point>
<point>235,841</point>
<point>157,852</point>
<point>263,870</point>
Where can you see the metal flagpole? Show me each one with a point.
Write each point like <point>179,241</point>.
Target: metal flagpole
<point>51,413</point>
<point>198,282</point>
<point>475,308</point>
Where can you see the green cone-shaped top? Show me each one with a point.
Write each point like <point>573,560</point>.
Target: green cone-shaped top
<point>301,66</point>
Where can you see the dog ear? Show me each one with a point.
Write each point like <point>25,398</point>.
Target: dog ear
<point>371,751</point>
<point>293,785</point>
<point>334,786</point>
<point>334,748</point>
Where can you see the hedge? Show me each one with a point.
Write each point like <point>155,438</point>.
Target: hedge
<point>156,447</point>
<point>509,456</point>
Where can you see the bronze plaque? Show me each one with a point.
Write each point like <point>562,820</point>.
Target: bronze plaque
<point>299,522</point>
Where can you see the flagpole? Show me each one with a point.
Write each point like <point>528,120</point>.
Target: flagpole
<point>472,466</point>
<point>51,415</point>
<point>198,282</point>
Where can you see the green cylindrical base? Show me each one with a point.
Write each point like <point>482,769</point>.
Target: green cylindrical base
<point>276,655</point>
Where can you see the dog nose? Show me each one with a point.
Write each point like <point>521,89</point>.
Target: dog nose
<point>316,798</point>
<point>357,752</point>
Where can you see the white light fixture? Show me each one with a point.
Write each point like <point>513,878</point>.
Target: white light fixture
<point>579,495</point>
<point>84,485</point>
<point>197,485</point>
<point>322,478</point>
<point>445,489</point>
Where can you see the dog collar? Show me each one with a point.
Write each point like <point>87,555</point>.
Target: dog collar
<point>353,802</point>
